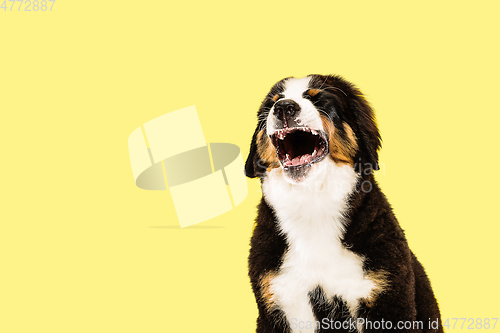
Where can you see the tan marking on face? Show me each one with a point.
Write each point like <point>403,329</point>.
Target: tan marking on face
<point>380,279</point>
<point>276,97</point>
<point>265,290</point>
<point>313,92</point>
<point>342,150</point>
<point>266,151</point>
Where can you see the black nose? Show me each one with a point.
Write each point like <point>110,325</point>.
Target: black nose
<point>286,109</point>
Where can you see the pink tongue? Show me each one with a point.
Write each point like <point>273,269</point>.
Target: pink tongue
<point>301,160</point>
<point>305,159</point>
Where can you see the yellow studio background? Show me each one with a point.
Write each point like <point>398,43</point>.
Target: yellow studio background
<point>82,249</point>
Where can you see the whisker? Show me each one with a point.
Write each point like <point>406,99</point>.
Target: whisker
<point>262,125</point>
<point>326,88</point>
<point>323,83</point>
<point>329,116</point>
<point>336,89</point>
<point>315,102</point>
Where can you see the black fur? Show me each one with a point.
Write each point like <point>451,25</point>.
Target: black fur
<point>372,230</point>
<point>254,166</point>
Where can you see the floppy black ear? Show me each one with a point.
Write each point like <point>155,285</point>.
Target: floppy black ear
<point>369,140</point>
<point>252,159</point>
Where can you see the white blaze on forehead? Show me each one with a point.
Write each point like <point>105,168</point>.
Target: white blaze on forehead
<point>294,88</point>
<point>308,116</point>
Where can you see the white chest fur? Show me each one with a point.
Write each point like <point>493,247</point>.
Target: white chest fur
<point>310,215</point>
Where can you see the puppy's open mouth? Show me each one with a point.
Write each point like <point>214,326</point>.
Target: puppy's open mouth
<point>299,146</point>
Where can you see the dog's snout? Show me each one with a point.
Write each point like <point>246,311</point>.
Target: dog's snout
<point>285,110</point>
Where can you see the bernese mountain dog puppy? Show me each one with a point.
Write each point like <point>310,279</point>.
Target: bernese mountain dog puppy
<point>327,253</point>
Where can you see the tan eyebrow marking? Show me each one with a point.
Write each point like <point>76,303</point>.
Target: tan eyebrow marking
<point>313,92</point>
<point>275,97</point>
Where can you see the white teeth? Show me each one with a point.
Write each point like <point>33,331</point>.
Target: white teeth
<point>281,133</point>
<point>314,153</point>
<point>287,157</point>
